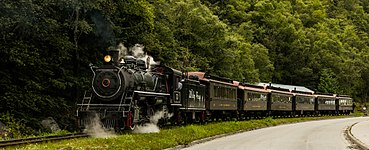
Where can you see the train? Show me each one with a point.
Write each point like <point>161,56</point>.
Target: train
<point>127,91</point>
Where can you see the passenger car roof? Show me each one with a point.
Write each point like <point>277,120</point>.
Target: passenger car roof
<point>290,87</point>
<point>209,78</point>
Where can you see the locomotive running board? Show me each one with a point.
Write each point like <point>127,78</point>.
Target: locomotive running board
<point>105,105</point>
<point>87,107</point>
<point>144,93</point>
<point>176,105</point>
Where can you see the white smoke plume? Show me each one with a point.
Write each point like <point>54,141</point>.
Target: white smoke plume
<point>140,54</point>
<point>152,127</point>
<point>123,51</point>
<point>95,129</point>
<point>137,51</point>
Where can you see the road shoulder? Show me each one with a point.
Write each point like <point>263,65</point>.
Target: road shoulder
<point>358,133</point>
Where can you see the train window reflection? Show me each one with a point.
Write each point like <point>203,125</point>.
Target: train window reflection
<point>221,92</point>
<point>255,97</point>
<point>281,98</point>
<point>345,102</point>
<point>327,101</point>
<point>304,100</point>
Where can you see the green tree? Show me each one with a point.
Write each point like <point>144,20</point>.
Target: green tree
<point>328,82</point>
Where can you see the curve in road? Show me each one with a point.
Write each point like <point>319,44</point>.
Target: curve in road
<point>313,135</point>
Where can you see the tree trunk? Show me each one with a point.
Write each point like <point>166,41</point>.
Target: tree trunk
<point>76,53</point>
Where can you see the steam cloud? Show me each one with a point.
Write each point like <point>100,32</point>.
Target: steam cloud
<point>137,51</point>
<point>123,51</point>
<point>152,127</point>
<point>95,129</point>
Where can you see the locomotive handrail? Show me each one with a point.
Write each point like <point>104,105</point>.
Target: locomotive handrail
<point>111,105</point>
<point>151,93</point>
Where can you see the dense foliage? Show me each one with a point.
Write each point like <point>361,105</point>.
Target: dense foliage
<point>46,45</point>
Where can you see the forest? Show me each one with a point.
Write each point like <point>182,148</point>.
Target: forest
<point>47,45</point>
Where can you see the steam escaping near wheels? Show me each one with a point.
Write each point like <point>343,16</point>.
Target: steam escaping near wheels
<point>147,128</point>
<point>95,128</point>
<point>152,127</point>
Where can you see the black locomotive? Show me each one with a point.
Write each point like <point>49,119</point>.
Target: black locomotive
<point>127,91</point>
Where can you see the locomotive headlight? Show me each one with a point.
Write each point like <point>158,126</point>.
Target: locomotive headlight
<point>107,58</point>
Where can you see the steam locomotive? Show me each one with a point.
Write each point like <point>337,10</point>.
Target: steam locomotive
<point>128,92</point>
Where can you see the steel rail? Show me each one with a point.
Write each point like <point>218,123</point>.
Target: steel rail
<point>22,141</point>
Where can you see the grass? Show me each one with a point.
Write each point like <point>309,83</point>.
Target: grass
<point>167,138</point>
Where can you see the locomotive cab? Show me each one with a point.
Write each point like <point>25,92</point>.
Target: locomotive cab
<point>174,84</point>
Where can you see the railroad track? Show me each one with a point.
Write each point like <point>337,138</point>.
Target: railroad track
<point>40,139</point>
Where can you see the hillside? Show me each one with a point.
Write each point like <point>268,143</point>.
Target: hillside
<point>46,46</point>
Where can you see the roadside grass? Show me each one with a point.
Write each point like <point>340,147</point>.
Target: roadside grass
<point>358,114</point>
<point>171,137</point>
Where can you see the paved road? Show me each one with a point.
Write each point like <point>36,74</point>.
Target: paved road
<point>313,135</point>
<point>361,132</point>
